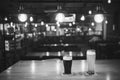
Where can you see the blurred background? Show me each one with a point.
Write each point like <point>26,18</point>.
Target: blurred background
<point>41,29</point>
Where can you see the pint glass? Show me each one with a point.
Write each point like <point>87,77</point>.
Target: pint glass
<point>91,56</point>
<point>67,63</point>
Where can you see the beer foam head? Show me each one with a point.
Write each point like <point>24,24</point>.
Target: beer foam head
<point>91,52</point>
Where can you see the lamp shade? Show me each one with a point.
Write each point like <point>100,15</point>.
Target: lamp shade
<point>60,17</point>
<point>99,18</point>
<point>82,18</point>
<point>22,17</point>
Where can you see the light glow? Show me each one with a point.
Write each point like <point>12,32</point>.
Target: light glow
<point>109,1</point>
<point>82,18</point>
<point>46,25</point>
<point>60,17</point>
<point>11,24</point>
<point>58,24</point>
<point>36,25</point>
<point>77,29</point>
<point>47,54</point>
<point>26,24</point>
<point>33,67</point>
<point>108,77</point>
<point>90,29</point>
<point>59,54</point>
<point>99,18</point>
<point>6,18</point>
<point>90,12</point>
<point>81,54</point>
<point>70,24</point>
<point>70,53</point>
<point>31,19</point>
<point>73,23</point>
<point>106,22</point>
<point>22,17</point>
<point>58,66</point>
<point>113,27</point>
<point>42,23</point>
<point>93,24</point>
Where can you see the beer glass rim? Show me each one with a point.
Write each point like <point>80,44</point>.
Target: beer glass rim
<point>91,52</point>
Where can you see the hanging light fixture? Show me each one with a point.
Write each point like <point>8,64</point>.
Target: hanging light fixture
<point>99,18</point>
<point>60,17</point>
<point>109,1</point>
<point>22,17</point>
<point>82,18</point>
<point>99,13</point>
<point>60,14</point>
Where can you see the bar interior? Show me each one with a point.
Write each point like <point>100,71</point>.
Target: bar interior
<point>80,38</point>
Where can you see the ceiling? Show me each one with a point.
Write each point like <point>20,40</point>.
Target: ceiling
<point>41,6</point>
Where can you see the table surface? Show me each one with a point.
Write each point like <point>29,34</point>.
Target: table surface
<point>52,69</point>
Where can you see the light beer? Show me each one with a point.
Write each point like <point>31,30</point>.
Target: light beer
<point>91,56</point>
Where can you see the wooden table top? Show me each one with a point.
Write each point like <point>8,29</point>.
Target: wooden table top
<point>52,69</point>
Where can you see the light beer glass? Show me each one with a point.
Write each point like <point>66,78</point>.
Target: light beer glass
<point>91,56</point>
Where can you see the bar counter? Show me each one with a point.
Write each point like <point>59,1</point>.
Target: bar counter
<point>52,69</point>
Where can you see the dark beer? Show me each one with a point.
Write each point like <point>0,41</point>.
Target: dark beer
<point>67,66</point>
<point>67,63</point>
